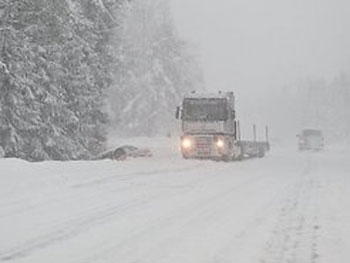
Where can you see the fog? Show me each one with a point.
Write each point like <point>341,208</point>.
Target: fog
<point>260,48</point>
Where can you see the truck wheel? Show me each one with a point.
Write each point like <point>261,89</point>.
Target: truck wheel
<point>226,158</point>
<point>240,155</point>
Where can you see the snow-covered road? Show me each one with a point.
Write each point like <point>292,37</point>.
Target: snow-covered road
<point>287,207</point>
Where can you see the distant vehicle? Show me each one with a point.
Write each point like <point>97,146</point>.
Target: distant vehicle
<point>310,139</point>
<point>210,129</point>
<point>124,152</point>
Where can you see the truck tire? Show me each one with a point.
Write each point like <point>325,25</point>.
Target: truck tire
<point>240,155</point>
<point>226,158</point>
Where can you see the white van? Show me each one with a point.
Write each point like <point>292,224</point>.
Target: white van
<point>310,139</point>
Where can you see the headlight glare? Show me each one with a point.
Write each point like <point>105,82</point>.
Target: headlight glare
<point>220,143</point>
<point>186,143</point>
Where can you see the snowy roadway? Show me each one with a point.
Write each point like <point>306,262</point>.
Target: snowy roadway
<point>289,207</point>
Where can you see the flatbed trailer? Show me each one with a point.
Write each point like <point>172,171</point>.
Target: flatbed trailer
<point>253,149</point>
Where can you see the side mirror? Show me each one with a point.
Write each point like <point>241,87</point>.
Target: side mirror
<point>233,114</point>
<point>177,114</point>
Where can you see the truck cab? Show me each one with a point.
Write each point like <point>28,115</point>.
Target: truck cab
<point>208,126</point>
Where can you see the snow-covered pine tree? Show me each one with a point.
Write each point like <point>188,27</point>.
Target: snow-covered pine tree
<point>20,122</point>
<point>96,26</point>
<point>337,109</point>
<point>315,103</point>
<point>53,76</point>
<point>154,69</point>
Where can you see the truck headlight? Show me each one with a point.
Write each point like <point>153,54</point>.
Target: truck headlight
<point>220,143</point>
<point>186,143</point>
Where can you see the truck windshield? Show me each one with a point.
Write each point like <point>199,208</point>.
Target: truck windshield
<point>205,109</point>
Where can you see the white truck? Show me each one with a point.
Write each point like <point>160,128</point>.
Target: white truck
<point>210,129</point>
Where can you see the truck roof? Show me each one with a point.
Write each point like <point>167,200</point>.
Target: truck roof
<point>307,132</point>
<point>208,95</point>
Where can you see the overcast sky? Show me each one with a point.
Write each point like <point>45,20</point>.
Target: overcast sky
<point>253,45</point>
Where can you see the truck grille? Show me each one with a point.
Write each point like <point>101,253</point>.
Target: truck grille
<point>203,142</point>
<point>203,145</point>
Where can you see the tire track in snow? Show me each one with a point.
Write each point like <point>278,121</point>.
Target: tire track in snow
<point>15,207</point>
<point>295,237</point>
<point>206,210</point>
<point>95,216</point>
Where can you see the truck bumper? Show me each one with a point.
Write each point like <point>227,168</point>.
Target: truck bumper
<point>206,147</point>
